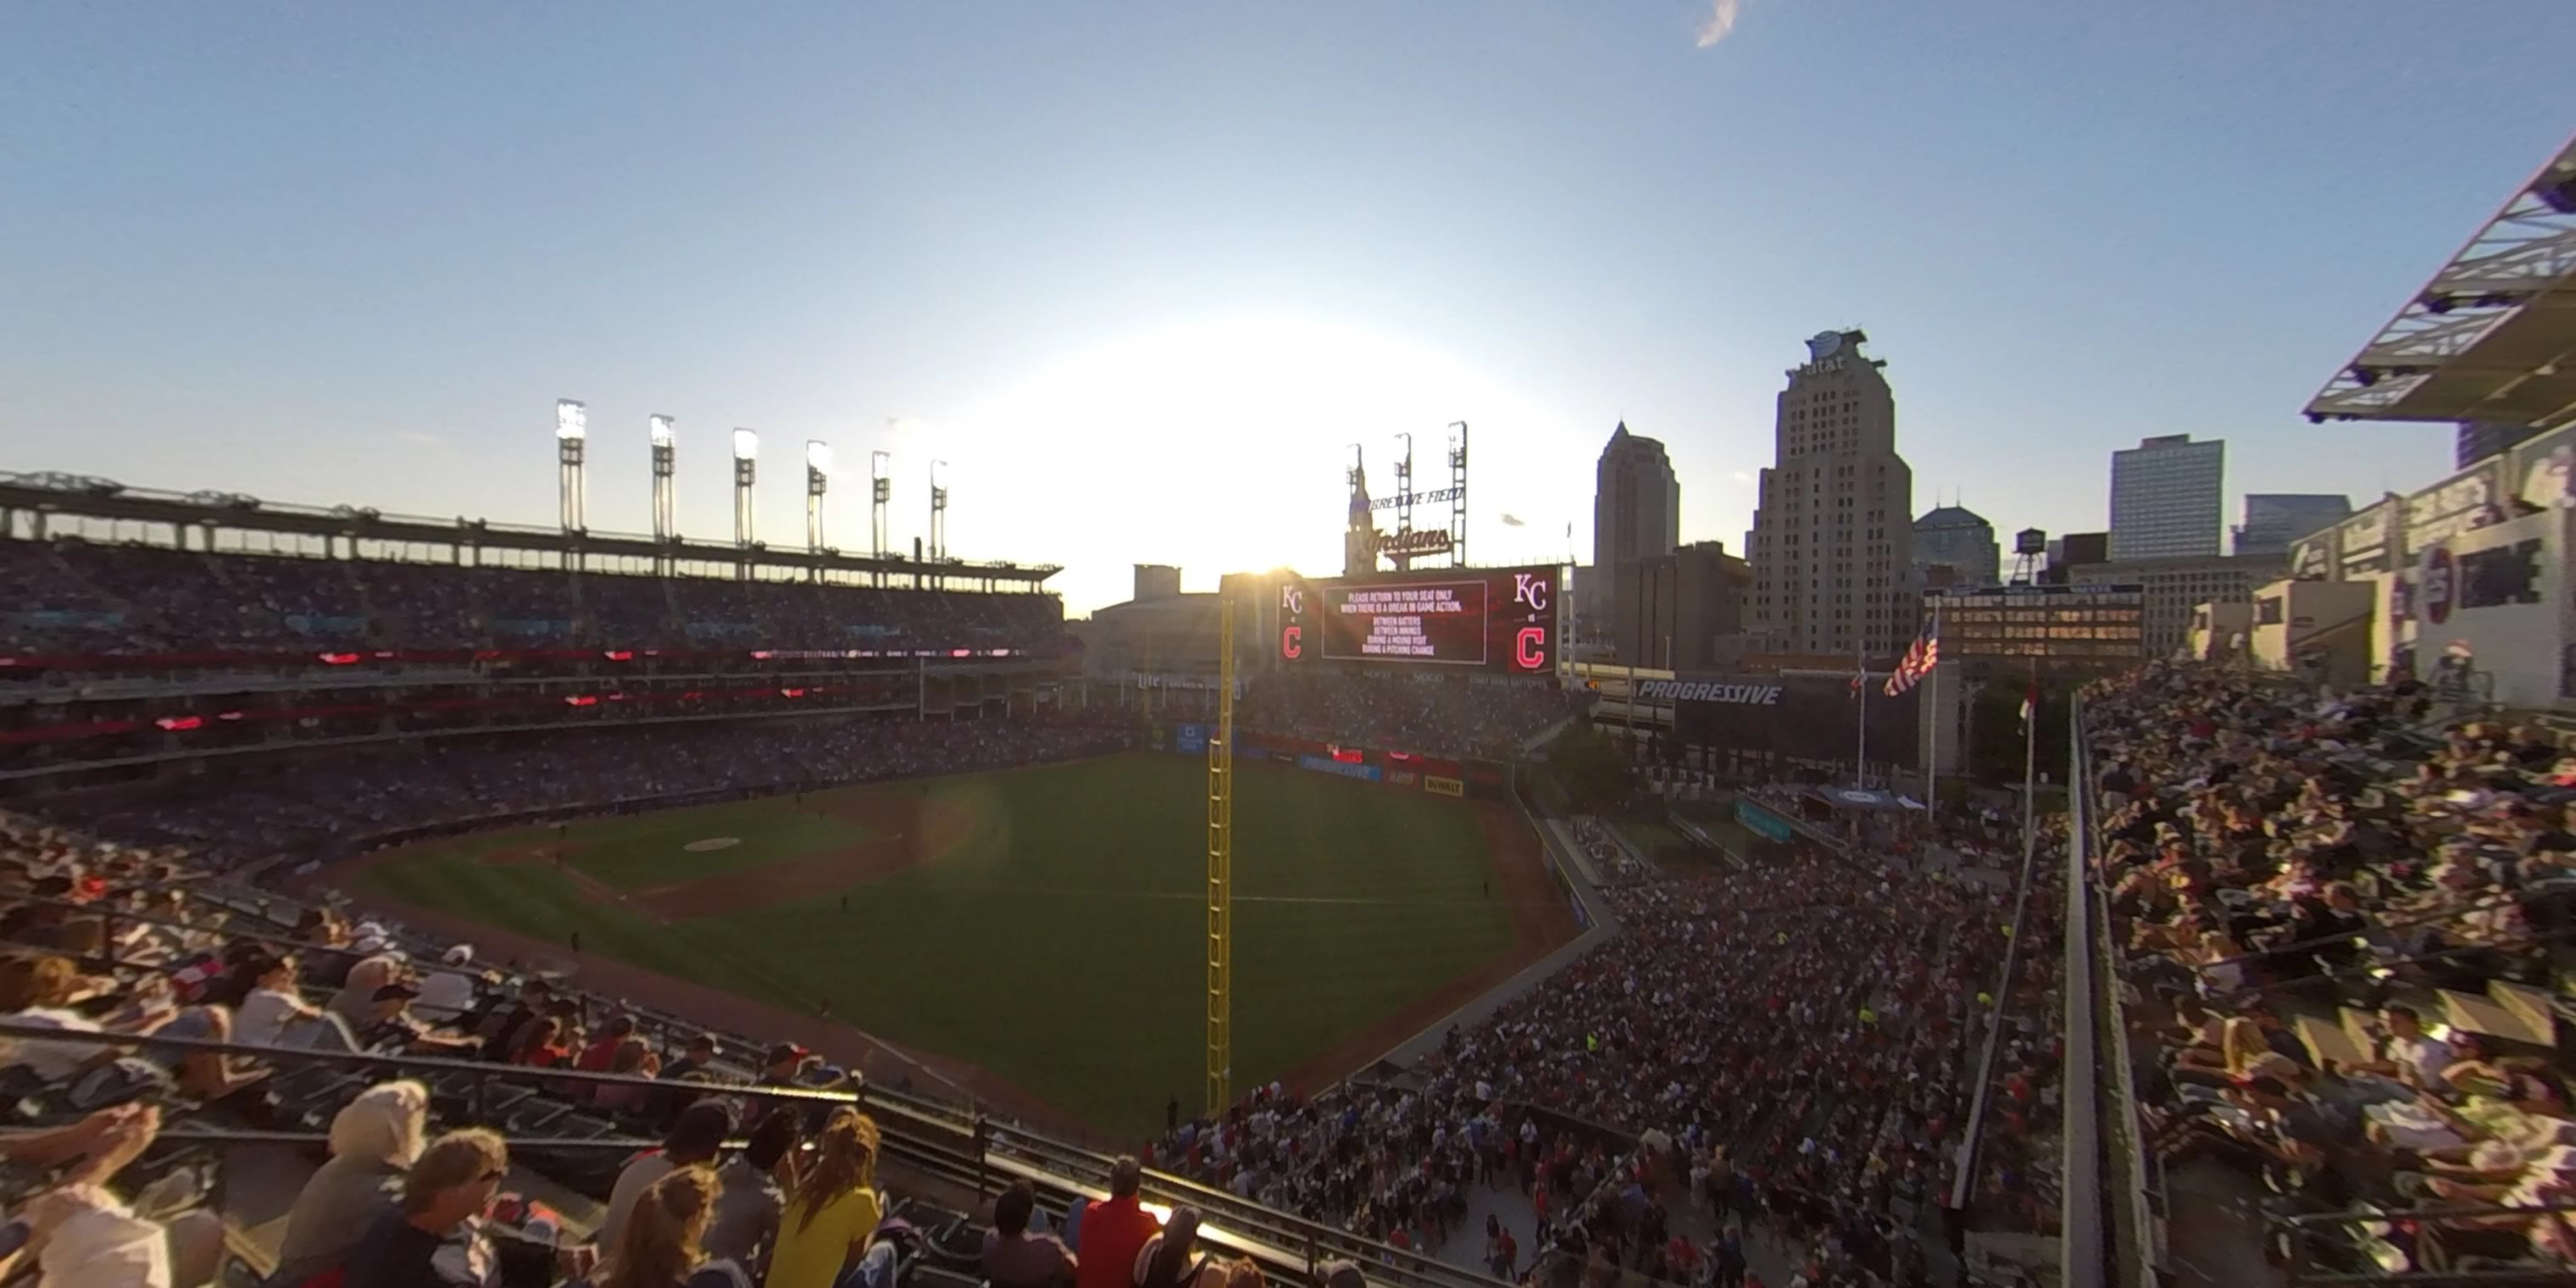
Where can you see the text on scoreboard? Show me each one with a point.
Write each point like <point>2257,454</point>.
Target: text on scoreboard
<point>1423,621</point>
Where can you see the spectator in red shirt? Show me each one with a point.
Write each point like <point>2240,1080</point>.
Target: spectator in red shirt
<point>546,1047</point>
<point>1114,1231</point>
<point>602,1052</point>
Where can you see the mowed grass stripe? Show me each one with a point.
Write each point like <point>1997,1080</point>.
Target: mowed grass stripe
<point>1062,944</point>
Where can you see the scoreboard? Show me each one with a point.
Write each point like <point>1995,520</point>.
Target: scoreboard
<point>1492,619</point>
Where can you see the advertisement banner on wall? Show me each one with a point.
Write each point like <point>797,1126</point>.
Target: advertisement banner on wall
<point>1762,822</point>
<point>1474,779</point>
<point>1190,738</point>
<point>1809,717</point>
<point>1328,765</point>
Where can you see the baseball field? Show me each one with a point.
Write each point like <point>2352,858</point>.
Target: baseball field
<point>1037,933</point>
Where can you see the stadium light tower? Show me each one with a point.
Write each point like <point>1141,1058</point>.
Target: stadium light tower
<point>746,461</point>
<point>572,427</point>
<point>665,524</point>
<point>1404,506</point>
<point>880,495</point>
<point>818,471</point>
<point>938,510</point>
<point>1458,494</point>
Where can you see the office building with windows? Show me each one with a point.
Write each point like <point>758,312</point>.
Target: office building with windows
<point>1832,545</point>
<point>1960,540</point>
<point>2173,588</point>
<point>2275,519</point>
<point>2099,626</point>
<point>2165,498</point>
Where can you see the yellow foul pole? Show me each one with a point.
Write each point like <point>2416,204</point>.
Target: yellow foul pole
<point>1220,875</point>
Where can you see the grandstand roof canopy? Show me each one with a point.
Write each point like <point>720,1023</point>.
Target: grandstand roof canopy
<point>89,497</point>
<point>2492,337</point>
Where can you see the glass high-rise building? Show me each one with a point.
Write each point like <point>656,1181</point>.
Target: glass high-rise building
<point>2165,498</point>
<point>1636,501</point>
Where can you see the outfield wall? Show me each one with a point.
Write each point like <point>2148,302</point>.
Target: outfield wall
<point>1489,780</point>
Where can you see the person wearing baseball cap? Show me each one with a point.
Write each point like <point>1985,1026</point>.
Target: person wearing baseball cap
<point>785,1066</point>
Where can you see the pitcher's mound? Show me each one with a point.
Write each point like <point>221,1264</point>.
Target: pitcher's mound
<point>712,843</point>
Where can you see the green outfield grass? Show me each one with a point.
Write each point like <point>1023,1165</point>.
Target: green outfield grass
<point>1061,944</point>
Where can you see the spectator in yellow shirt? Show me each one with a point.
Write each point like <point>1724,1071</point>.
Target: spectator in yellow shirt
<point>834,1212</point>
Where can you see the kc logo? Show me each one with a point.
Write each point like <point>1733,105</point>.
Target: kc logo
<point>1292,600</point>
<point>1530,589</point>
<point>1292,642</point>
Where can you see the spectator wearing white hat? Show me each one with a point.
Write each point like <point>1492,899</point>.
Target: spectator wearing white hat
<point>447,993</point>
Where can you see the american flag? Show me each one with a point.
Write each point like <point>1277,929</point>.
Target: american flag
<point>1920,657</point>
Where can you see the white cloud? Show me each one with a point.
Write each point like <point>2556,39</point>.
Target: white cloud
<point>1513,521</point>
<point>1721,20</point>
<point>417,437</point>
<point>1742,476</point>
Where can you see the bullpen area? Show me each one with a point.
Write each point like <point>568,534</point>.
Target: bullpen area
<point>1037,933</point>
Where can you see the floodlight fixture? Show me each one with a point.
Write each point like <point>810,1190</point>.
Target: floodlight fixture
<point>818,477</point>
<point>938,510</point>
<point>572,426</point>
<point>746,453</point>
<point>665,457</point>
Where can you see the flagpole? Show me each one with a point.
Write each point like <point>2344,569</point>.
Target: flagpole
<point>1860,725</point>
<point>1932,767</point>
<point>2030,760</point>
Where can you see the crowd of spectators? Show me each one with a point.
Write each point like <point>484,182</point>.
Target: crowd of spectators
<point>416,1192</point>
<point>90,599</point>
<point>1613,862</point>
<point>2345,921</point>
<point>397,1203</point>
<point>1434,715</point>
<point>1806,1069</point>
<point>316,808</point>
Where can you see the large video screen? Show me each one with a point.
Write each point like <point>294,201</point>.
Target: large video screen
<point>1502,620</point>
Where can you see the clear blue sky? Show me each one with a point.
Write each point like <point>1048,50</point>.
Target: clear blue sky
<point>1142,270</point>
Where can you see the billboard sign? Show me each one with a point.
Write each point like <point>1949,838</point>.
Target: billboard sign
<point>1324,765</point>
<point>1813,717</point>
<point>1762,822</point>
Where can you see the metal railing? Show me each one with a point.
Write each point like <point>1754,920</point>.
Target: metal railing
<point>966,1149</point>
<point>1962,1187</point>
<point>2301,1272</point>
<point>2122,1236</point>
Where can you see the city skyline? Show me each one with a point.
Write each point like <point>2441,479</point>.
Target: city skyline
<point>1139,265</point>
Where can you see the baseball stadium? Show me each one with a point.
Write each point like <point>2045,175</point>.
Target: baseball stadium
<point>483,799</point>
<point>518,905</point>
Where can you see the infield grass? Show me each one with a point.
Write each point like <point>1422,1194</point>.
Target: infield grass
<point>1060,945</point>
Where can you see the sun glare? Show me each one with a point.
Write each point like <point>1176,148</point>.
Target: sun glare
<point>1221,445</point>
